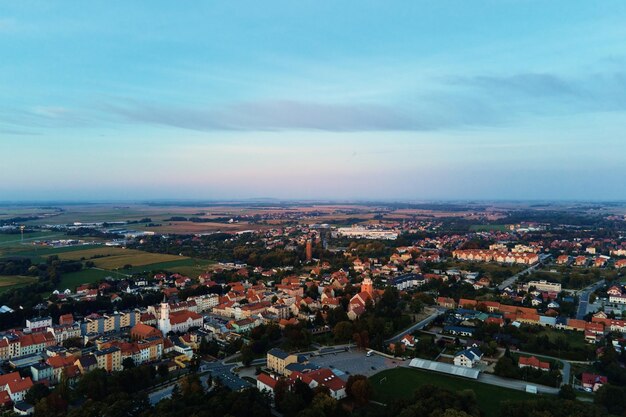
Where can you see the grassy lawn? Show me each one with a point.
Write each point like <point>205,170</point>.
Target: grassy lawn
<point>575,339</point>
<point>402,382</point>
<point>8,282</point>
<point>6,239</point>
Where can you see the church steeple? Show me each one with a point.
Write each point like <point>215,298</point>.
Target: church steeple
<point>164,316</point>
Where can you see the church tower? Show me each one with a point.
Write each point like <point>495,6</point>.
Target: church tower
<point>367,286</point>
<point>164,317</point>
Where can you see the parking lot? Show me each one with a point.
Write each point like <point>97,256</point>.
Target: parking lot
<point>356,362</point>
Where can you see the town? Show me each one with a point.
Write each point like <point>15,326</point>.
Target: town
<point>522,309</point>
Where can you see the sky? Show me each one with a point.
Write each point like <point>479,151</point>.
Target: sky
<point>313,99</point>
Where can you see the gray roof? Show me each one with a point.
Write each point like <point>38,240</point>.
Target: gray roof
<point>279,353</point>
<point>445,368</point>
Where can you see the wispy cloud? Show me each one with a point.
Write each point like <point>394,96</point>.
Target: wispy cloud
<point>532,84</point>
<point>290,115</point>
<point>592,92</point>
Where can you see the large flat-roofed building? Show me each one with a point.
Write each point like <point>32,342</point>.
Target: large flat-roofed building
<point>364,233</point>
<point>544,285</point>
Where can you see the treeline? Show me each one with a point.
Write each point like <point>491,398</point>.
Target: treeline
<point>556,217</point>
<point>242,248</point>
<point>14,220</point>
<point>23,299</point>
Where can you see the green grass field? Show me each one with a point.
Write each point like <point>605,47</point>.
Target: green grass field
<point>114,257</point>
<point>189,267</point>
<point>575,339</point>
<point>488,228</point>
<point>186,266</point>
<point>7,239</point>
<point>8,282</point>
<point>402,382</point>
<point>86,276</point>
<point>39,254</point>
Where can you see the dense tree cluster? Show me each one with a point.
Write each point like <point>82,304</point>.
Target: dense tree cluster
<point>550,407</point>
<point>433,401</point>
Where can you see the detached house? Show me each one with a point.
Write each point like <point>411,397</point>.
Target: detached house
<point>468,358</point>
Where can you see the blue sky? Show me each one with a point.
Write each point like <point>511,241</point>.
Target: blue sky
<point>509,99</point>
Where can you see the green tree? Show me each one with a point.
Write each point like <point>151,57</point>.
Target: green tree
<point>343,331</point>
<point>567,392</point>
<point>128,363</point>
<point>36,393</point>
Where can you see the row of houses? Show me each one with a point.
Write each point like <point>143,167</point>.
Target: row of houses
<point>485,255</point>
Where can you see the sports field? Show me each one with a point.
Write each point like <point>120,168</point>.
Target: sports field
<point>114,258</point>
<point>402,382</point>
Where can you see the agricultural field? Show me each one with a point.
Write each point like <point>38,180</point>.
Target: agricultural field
<point>187,227</point>
<point>115,258</point>
<point>402,382</point>
<point>39,254</point>
<point>8,282</point>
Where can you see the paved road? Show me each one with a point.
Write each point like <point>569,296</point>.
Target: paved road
<point>156,396</point>
<point>417,326</point>
<point>583,298</point>
<point>225,374</point>
<point>514,383</point>
<point>514,278</point>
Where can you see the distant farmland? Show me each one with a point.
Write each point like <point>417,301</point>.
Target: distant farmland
<point>114,258</point>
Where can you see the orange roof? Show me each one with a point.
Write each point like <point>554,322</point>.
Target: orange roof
<point>20,385</point>
<point>6,378</point>
<point>534,362</point>
<point>466,302</point>
<point>182,316</point>
<point>59,361</point>
<point>144,331</point>
<point>324,377</point>
<point>577,324</point>
<point>267,380</point>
